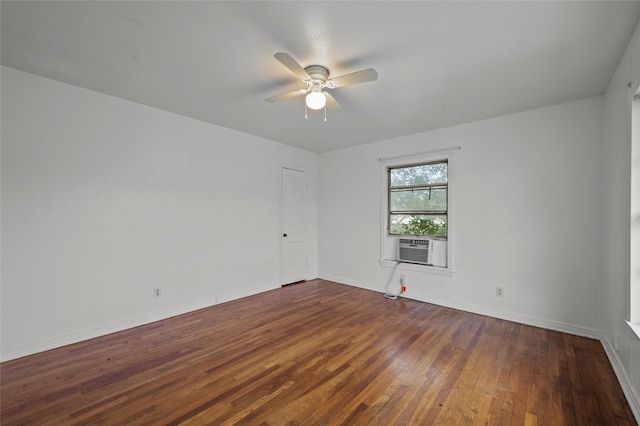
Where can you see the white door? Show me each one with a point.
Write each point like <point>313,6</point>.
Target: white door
<point>293,266</point>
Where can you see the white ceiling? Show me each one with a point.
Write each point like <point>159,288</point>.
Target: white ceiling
<point>439,63</point>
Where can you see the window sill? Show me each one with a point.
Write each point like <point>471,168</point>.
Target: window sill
<point>435,270</point>
<point>635,328</point>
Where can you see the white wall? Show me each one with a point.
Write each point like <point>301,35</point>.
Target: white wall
<point>614,294</point>
<point>527,216</point>
<point>104,199</point>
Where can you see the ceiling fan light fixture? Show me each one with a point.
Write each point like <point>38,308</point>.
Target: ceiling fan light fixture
<point>316,100</point>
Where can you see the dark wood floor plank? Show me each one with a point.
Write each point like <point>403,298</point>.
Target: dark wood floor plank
<point>318,353</point>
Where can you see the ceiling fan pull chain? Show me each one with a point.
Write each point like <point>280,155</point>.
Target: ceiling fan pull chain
<point>325,113</point>
<point>306,117</point>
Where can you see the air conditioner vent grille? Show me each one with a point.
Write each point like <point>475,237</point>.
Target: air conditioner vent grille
<point>413,250</point>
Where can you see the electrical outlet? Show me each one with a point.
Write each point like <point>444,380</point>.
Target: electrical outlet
<point>157,293</point>
<point>499,292</point>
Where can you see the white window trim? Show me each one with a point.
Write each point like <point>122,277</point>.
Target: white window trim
<point>428,157</point>
<point>634,247</point>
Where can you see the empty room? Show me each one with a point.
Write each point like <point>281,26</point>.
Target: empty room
<point>320,213</point>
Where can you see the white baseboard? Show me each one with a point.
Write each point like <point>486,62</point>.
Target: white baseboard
<point>476,309</point>
<point>91,333</point>
<point>623,378</point>
<point>352,283</point>
<point>530,320</point>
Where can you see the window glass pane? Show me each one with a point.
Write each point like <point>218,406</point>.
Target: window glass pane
<point>416,175</point>
<point>418,199</point>
<point>418,224</point>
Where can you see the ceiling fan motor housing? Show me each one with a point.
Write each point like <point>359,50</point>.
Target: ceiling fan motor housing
<point>317,72</point>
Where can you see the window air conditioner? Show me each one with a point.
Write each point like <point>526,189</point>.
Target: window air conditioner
<point>422,251</point>
<point>413,250</point>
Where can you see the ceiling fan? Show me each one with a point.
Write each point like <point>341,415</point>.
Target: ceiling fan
<point>316,78</point>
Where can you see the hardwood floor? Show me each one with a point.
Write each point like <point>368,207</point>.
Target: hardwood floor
<point>319,353</point>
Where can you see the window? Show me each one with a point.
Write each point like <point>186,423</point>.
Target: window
<point>418,199</point>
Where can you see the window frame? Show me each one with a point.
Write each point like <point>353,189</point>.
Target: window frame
<point>429,186</point>
<point>388,242</point>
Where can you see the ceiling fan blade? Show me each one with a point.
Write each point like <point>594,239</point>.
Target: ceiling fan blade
<point>286,60</point>
<point>286,95</point>
<point>332,103</point>
<point>354,78</point>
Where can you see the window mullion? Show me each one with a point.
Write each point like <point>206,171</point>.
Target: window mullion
<point>418,186</point>
<point>419,212</point>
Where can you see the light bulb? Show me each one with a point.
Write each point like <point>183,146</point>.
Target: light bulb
<point>316,100</point>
